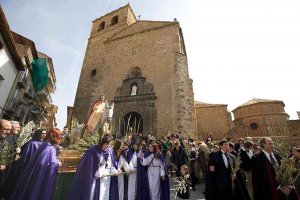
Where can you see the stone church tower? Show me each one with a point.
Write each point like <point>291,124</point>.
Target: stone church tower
<point>142,67</point>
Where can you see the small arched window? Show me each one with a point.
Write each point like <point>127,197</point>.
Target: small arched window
<point>114,20</point>
<point>101,26</point>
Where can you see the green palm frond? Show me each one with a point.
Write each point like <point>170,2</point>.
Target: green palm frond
<point>8,153</point>
<point>282,145</point>
<point>287,171</point>
<point>238,161</point>
<point>84,143</point>
<point>25,134</point>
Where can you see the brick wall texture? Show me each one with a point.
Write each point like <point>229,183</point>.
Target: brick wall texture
<point>214,119</point>
<point>269,116</point>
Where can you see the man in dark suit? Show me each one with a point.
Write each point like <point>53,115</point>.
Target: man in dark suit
<point>265,185</point>
<point>220,173</point>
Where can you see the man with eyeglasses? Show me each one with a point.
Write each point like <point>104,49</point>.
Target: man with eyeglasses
<point>12,141</point>
<point>5,127</point>
<point>13,136</point>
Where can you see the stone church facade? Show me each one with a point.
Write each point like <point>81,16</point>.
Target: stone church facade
<point>142,67</point>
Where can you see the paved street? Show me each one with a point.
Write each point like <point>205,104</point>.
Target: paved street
<point>194,195</point>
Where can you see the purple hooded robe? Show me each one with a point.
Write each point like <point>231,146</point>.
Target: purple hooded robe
<point>114,187</point>
<point>143,191</point>
<point>82,184</point>
<point>27,151</point>
<point>129,156</point>
<point>38,178</point>
<point>17,167</point>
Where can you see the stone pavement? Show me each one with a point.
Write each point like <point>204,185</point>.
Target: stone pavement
<point>194,195</point>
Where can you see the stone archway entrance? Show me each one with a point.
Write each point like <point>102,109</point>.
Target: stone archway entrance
<point>132,123</point>
<point>135,104</point>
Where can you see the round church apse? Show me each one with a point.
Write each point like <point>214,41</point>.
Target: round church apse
<point>132,122</point>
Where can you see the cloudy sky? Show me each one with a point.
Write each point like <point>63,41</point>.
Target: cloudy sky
<point>237,49</point>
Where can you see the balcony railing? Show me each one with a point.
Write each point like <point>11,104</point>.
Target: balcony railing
<point>21,79</point>
<point>40,113</point>
<point>45,95</point>
<point>51,85</point>
<point>12,106</point>
<point>29,93</point>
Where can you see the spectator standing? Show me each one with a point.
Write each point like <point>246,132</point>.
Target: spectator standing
<point>265,185</point>
<point>178,157</point>
<point>221,171</point>
<point>192,166</point>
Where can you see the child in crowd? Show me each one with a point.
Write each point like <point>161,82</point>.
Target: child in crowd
<point>185,177</point>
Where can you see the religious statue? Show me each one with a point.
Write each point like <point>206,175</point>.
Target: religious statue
<point>133,90</point>
<point>98,109</point>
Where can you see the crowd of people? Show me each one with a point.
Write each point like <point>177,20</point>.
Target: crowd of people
<point>140,167</point>
<point>32,172</point>
<point>244,170</point>
<point>130,169</point>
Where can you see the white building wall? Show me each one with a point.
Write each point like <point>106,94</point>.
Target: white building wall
<point>8,71</point>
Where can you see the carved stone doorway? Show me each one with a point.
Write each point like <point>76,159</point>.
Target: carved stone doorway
<point>132,123</point>
<point>136,99</point>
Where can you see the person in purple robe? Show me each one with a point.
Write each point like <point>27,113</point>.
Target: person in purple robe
<point>92,181</point>
<point>118,183</point>
<point>142,177</point>
<point>27,151</point>
<point>30,147</point>
<point>157,176</point>
<point>38,178</point>
<point>132,160</point>
<point>126,167</point>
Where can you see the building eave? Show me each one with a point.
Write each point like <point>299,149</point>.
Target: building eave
<point>9,41</point>
<point>20,39</point>
<point>208,105</point>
